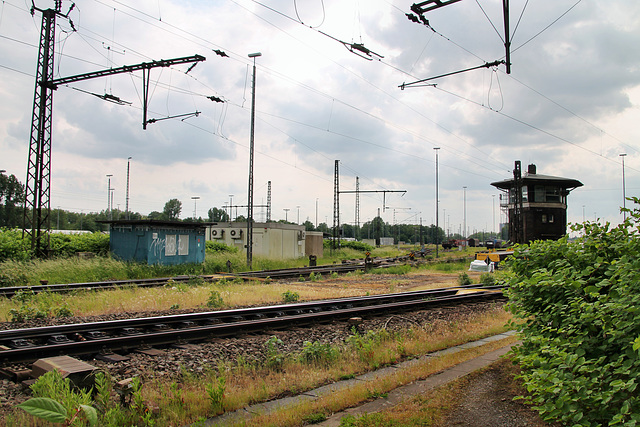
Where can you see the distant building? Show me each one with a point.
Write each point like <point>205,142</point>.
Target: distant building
<point>274,240</point>
<point>536,205</point>
<point>157,242</point>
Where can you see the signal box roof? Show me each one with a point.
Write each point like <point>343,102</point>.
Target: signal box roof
<point>533,178</point>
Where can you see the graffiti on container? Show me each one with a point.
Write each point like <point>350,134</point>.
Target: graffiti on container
<point>157,246</point>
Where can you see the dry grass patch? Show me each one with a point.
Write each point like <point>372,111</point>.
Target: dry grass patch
<point>246,384</point>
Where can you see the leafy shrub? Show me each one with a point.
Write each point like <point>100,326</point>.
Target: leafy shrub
<point>464,279</point>
<point>289,296</point>
<point>215,300</point>
<point>359,246</point>
<point>13,246</point>
<point>212,247</point>
<point>351,244</point>
<point>487,279</point>
<point>577,306</point>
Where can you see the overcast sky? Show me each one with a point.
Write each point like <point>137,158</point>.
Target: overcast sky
<point>570,105</point>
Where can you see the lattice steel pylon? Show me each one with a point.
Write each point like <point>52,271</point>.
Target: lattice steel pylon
<point>336,207</point>
<point>357,231</point>
<point>37,206</point>
<point>268,201</point>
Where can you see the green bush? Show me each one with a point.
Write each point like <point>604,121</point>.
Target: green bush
<point>14,247</point>
<point>213,247</point>
<point>487,279</point>
<point>215,300</point>
<point>577,306</point>
<point>351,244</point>
<point>289,296</point>
<point>464,279</point>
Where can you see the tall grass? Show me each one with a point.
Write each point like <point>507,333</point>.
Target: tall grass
<point>101,268</point>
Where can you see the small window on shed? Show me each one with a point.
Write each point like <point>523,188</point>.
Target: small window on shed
<point>183,244</point>
<point>170,245</point>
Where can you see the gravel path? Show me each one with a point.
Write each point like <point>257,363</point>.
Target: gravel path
<point>486,400</point>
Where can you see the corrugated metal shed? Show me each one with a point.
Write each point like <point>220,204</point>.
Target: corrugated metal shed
<point>158,242</point>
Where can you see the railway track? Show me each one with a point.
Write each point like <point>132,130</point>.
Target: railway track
<point>288,273</point>
<point>25,345</point>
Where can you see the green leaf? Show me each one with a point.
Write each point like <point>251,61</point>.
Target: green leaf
<point>45,408</point>
<point>90,413</point>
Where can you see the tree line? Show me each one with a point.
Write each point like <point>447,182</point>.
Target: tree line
<point>12,194</point>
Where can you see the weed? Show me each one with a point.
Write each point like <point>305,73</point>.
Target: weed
<point>25,313</point>
<point>366,345</point>
<point>487,279</point>
<point>215,392</point>
<point>464,279</point>
<point>196,281</point>
<point>314,418</point>
<point>52,411</point>
<point>137,403</point>
<point>174,307</point>
<point>63,311</point>
<point>334,275</point>
<point>318,354</point>
<point>275,357</point>
<point>346,377</point>
<point>398,269</point>
<point>314,277</point>
<point>289,296</point>
<point>103,387</point>
<point>374,394</point>
<point>52,386</point>
<point>215,300</point>
<point>301,278</point>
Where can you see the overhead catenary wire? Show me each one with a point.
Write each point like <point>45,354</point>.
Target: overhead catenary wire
<point>157,83</point>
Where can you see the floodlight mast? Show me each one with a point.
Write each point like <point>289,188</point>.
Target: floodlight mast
<point>251,150</point>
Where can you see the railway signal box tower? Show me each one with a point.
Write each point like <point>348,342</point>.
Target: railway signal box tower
<point>536,205</point>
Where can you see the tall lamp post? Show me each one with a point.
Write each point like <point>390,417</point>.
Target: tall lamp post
<point>437,207</point>
<point>251,149</point>
<point>126,208</point>
<point>109,195</point>
<point>624,190</point>
<point>464,213</point>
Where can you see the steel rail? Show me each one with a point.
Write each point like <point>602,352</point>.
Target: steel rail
<point>231,322</point>
<point>227,315</point>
